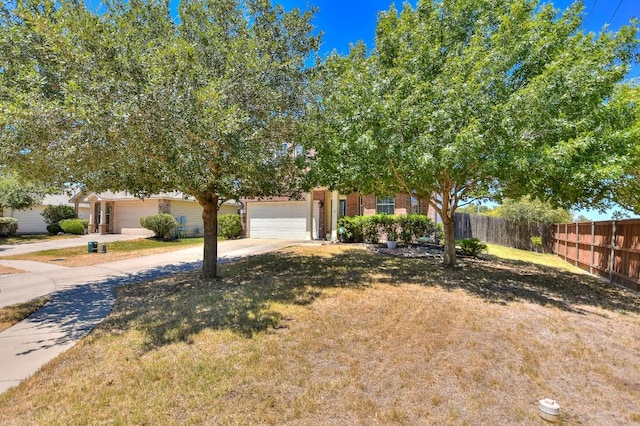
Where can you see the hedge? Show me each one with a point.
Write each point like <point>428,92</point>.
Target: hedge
<point>371,229</point>
<point>74,226</point>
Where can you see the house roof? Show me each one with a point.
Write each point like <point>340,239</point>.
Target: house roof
<point>89,196</point>
<point>85,197</point>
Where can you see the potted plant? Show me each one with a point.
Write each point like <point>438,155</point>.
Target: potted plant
<point>392,239</point>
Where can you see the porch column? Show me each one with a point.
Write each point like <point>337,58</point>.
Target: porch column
<point>103,217</point>
<point>310,218</point>
<point>335,203</point>
<point>92,220</point>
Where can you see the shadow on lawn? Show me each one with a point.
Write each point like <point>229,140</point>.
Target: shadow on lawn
<point>174,309</point>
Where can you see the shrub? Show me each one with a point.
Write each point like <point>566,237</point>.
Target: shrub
<point>230,226</point>
<point>161,224</point>
<point>74,226</point>
<point>54,229</point>
<point>352,229</point>
<point>54,214</point>
<point>472,247</point>
<point>415,226</point>
<point>369,229</point>
<point>536,242</point>
<point>8,226</point>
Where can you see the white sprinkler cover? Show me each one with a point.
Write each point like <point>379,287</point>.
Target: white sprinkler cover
<point>549,409</point>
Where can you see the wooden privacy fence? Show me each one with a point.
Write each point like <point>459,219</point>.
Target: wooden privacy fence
<point>504,232</point>
<point>609,249</point>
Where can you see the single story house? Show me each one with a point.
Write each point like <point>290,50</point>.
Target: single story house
<point>30,221</point>
<point>316,215</point>
<point>122,211</point>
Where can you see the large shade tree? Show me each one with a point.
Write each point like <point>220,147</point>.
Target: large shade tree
<point>626,187</point>
<point>145,98</point>
<point>465,99</point>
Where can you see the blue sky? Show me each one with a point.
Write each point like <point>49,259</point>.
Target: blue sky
<point>345,22</point>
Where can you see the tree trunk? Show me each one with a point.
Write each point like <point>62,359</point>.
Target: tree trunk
<point>209,203</point>
<point>449,225</point>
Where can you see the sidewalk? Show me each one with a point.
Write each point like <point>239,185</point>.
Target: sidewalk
<point>82,297</point>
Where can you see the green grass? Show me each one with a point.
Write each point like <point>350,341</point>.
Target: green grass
<point>543,259</point>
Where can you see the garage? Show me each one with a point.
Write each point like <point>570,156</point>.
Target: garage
<point>128,214</point>
<point>285,220</point>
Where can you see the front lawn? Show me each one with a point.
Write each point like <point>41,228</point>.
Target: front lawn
<point>339,335</point>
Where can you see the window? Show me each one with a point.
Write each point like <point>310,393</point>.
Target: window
<point>415,205</point>
<point>386,205</point>
<point>342,210</point>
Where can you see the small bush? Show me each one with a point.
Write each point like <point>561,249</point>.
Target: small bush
<point>54,229</point>
<point>370,229</point>
<point>536,242</point>
<point>161,224</point>
<point>8,226</point>
<point>230,226</point>
<point>74,226</point>
<point>472,247</point>
<point>54,214</point>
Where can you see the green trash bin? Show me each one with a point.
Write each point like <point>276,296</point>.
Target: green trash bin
<point>92,247</point>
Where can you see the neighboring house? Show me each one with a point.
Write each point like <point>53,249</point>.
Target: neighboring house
<point>30,221</point>
<point>316,215</point>
<point>122,211</point>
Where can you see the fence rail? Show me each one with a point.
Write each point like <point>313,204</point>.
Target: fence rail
<point>610,249</point>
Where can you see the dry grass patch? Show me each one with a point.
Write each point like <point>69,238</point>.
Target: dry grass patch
<point>33,238</point>
<point>334,335</point>
<point>7,270</point>
<point>118,250</point>
<point>11,315</point>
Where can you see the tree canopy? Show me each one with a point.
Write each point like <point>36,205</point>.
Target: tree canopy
<point>19,194</point>
<point>529,210</point>
<point>142,99</point>
<point>463,100</point>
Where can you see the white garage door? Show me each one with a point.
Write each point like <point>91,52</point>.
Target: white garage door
<point>286,220</point>
<point>128,214</point>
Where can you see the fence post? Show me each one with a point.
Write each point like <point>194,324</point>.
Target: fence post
<point>566,241</point>
<point>593,243</point>
<point>612,261</point>
<point>577,244</point>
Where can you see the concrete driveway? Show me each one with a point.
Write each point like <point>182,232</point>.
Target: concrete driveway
<point>82,297</point>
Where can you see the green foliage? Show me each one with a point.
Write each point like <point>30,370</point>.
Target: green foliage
<point>197,101</point>
<point>371,229</point>
<point>472,247</point>
<point>54,229</point>
<point>74,226</point>
<point>230,226</point>
<point>53,215</point>
<point>475,99</point>
<point>19,194</point>
<point>536,242</point>
<point>414,226</point>
<point>161,224</point>
<point>8,226</point>
<point>529,210</point>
